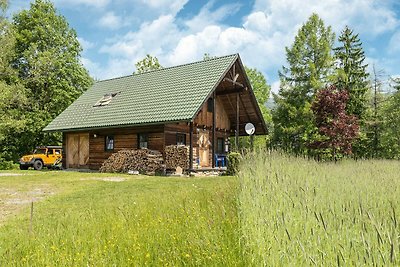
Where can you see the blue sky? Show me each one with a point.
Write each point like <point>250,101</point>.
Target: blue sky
<point>116,34</point>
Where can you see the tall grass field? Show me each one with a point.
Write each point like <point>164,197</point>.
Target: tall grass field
<point>296,212</point>
<point>278,211</point>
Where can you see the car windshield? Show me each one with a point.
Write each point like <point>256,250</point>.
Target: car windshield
<point>40,151</point>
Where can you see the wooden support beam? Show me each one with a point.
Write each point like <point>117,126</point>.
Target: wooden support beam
<point>214,122</point>
<point>245,110</point>
<point>234,82</point>
<point>237,123</point>
<point>230,91</point>
<point>191,147</point>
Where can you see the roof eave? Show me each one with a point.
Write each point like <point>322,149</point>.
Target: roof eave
<point>66,130</point>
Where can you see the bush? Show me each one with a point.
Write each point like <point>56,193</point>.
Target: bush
<point>7,165</point>
<point>233,163</point>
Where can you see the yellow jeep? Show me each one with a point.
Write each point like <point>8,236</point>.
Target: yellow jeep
<point>44,156</point>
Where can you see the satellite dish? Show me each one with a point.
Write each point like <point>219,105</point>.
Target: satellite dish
<point>250,129</point>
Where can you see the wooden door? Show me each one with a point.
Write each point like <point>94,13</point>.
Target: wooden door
<point>83,150</point>
<point>77,150</point>
<point>204,148</point>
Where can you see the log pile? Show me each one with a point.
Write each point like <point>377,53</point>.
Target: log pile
<point>145,161</point>
<point>177,155</point>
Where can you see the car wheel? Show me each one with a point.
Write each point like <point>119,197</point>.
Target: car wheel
<point>38,165</point>
<point>23,167</point>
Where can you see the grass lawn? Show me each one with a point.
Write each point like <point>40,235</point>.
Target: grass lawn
<point>92,219</point>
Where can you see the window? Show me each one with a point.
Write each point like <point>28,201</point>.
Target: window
<point>105,100</point>
<point>180,139</point>
<point>109,145</point>
<point>220,145</point>
<point>40,151</point>
<point>58,152</point>
<point>210,105</point>
<point>50,151</point>
<point>143,141</point>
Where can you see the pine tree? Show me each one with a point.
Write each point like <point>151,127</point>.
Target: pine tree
<point>351,72</point>
<point>310,67</point>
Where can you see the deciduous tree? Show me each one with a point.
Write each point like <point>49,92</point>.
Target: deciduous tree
<point>390,134</point>
<point>47,60</point>
<point>336,129</point>
<point>149,63</point>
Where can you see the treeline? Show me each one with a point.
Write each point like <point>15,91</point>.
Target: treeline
<point>328,105</point>
<point>40,75</point>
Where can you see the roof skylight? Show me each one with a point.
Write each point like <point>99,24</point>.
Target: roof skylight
<point>105,100</point>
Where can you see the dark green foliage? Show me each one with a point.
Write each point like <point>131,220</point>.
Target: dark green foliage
<point>7,165</point>
<point>369,143</point>
<point>261,90</point>
<point>47,55</point>
<point>310,68</point>
<point>390,133</point>
<point>42,75</point>
<point>233,163</point>
<point>351,72</point>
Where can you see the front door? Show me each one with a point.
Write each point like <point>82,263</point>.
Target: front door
<point>204,148</point>
<point>77,150</point>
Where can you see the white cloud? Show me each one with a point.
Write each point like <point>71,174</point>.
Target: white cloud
<point>86,45</point>
<point>394,43</point>
<point>150,38</point>
<point>166,6</point>
<point>259,49</point>
<point>207,17</point>
<point>275,87</point>
<point>92,3</point>
<point>371,17</point>
<point>153,38</point>
<point>111,21</point>
<point>257,21</point>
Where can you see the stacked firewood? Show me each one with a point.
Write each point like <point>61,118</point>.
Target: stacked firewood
<point>144,161</point>
<point>177,155</point>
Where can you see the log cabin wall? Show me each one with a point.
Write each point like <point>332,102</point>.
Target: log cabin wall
<point>205,117</point>
<point>124,138</point>
<point>203,122</point>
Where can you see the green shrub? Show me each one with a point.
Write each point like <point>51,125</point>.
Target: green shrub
<point>7,165</point>
<point>233,163</point>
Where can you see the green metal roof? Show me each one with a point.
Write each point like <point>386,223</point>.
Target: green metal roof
<point>165,95</point>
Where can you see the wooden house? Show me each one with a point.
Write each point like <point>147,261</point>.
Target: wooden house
<point>200,105</point>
